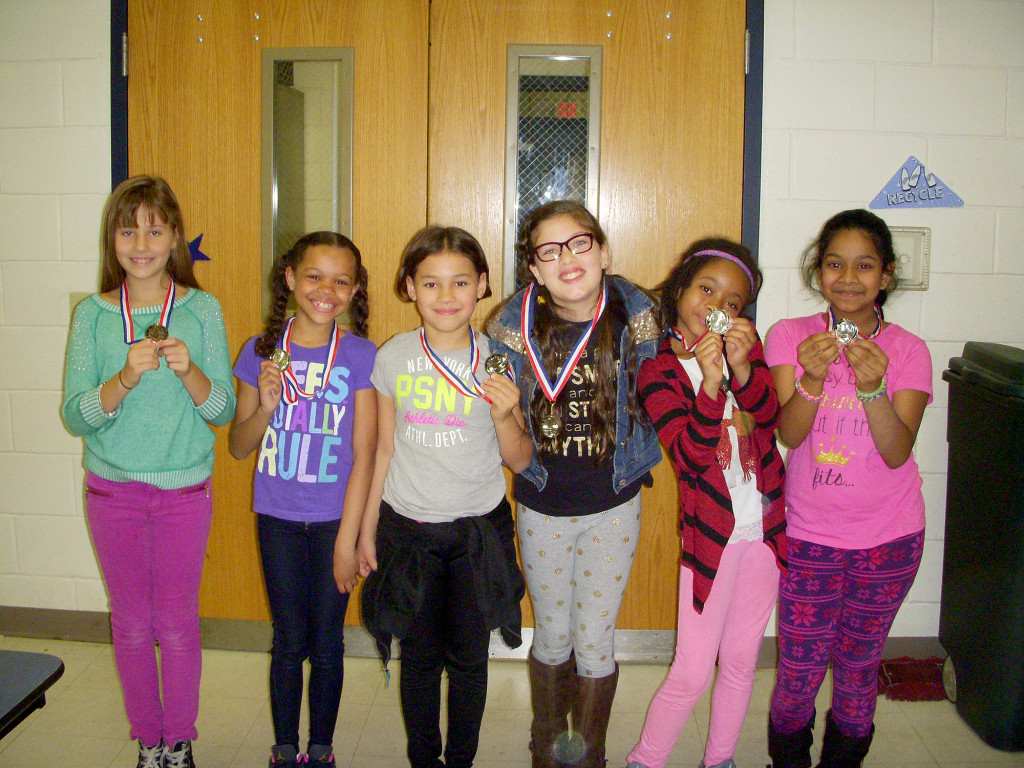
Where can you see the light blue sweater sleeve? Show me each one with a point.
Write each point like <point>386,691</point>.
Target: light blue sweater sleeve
<point>81,410</point>
<point>219,407</point>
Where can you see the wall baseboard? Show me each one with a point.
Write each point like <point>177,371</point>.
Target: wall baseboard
<point>631,645</point>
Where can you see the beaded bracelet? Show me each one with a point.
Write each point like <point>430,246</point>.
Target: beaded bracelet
<point>807,395</point>
<point>867,397</point>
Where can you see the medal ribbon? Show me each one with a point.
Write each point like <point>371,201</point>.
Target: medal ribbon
<point>292,391</point>
<point>126,313</point>
<point>676,334</point>
<point>831,321</point>
<point>551,391</point>
<point>476,390</point>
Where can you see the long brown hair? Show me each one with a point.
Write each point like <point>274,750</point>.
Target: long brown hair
<point>552,333</point>
<point>358,308</point>
<point>121,210</point>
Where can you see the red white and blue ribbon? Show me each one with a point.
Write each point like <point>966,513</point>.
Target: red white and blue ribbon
<point>831,321</point>
<point>552,390</point>
<point>676,334</point>
<point>474,390</point>
<point>292,391</point>
<point>126,313</point>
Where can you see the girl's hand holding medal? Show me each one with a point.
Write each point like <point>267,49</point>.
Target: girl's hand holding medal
<point>816,353</point>
<point>269,386</point>
<point>739,340</point>
<point>708,352</point>
<point>176,353</point>
<point>503,394</point>
<point>141,358</point>
<point>869,364</point>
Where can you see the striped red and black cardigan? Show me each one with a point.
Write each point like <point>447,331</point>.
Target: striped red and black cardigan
<point>689,426</point>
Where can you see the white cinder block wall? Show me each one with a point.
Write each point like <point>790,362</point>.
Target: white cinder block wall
<point>54,177</point>
<point>852,88</point>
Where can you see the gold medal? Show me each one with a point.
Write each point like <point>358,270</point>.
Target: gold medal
<point>281,359</point>
<point>846,331</point>
<point>550,426</point>
<point>496,364</point>
<point>156,332</point>
<point>719,321</point>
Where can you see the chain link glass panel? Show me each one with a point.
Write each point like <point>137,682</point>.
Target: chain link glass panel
<point>554,95</point>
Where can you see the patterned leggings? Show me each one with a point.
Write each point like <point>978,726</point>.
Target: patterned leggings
<point>576,570</point>
<point>838,604</point>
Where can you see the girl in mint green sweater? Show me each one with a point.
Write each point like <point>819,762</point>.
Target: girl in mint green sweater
<point>147,371</point>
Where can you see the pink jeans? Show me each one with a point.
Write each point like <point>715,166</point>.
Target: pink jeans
<point>730,629</point>
<point>150,544</point>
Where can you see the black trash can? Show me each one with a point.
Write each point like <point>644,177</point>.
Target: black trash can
<point>981,620</point>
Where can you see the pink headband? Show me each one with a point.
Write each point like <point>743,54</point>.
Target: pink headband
<point>728,257</point>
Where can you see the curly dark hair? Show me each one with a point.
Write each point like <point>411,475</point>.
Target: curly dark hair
<point>857,219</point>
<point>358,308</point>
<point>687,267</point>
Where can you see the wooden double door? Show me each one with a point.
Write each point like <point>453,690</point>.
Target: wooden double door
<point>429,146</point>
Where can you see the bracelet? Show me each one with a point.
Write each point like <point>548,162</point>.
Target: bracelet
<point>867,397</point>
<point>807,395</point>
<point>122,382</point>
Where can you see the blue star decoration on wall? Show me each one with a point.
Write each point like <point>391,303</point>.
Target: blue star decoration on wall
<point>193,248</point>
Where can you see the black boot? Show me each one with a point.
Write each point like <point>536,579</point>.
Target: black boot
<point>790,750</point>
<point>841,751</point>
<point>591,709</point>
<point>551,688</point>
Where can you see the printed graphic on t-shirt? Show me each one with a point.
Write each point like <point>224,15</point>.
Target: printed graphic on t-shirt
<point>302,441</point>
<point>840,423</point>
<point>575,437</point>
<point>427,399</point>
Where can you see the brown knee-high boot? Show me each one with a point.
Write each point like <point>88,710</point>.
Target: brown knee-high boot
<point>551,688</point>
<point>591,708</point>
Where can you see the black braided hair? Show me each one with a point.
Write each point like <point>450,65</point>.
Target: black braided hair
<point>358,308</point>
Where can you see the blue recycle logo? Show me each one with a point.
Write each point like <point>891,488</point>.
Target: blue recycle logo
<point>912,186</point>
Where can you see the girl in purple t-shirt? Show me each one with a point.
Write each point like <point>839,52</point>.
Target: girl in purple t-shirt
<point>307,406</point>
<point>852,389</point>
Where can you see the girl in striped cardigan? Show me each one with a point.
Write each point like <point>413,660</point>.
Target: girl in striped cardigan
<point>712,400</point>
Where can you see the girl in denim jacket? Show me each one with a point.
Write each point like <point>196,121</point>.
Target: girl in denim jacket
<point>575,338</point>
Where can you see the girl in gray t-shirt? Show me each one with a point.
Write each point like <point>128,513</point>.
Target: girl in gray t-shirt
<point>438,532</point>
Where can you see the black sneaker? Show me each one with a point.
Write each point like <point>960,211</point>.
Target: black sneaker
<point>284,756</point>
<point>151,757</point>
<point>320,756</point>
<point>179,756</point>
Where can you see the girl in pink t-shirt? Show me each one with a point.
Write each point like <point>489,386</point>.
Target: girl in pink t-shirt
<point>852,389</point>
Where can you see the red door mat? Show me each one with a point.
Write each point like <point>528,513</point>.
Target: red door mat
<point>907,679</point>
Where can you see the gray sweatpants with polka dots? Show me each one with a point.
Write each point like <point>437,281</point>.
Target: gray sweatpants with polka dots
<point>577,569</point>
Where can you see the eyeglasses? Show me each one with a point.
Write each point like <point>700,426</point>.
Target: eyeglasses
<point>576,244</point>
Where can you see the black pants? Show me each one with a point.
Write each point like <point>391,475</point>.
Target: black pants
<point>309,622</point>
<point>448,634</point>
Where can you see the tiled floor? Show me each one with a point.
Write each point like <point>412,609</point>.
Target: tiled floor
<point>83,724</point>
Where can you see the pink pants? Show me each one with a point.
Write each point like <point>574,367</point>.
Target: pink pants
<point>150,544</point>
<point>730,629</point>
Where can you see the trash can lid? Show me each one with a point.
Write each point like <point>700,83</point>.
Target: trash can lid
<point>996,367</point>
